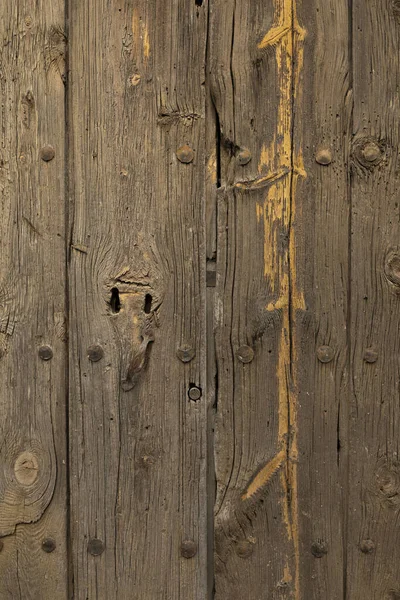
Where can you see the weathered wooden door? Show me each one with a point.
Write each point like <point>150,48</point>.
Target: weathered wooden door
<point>199,299</point>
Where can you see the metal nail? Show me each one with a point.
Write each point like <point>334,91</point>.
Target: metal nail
<point>45,352</point>
<point>95,353</point>
<point>95,547</point>
<point>188,548</point>
<point>194,393</point>
<point>185,154</point>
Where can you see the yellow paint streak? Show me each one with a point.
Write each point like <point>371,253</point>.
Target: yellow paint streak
<point>212,167</point>
<point>259,211</point>
<point>287,577</point>
<point>146,42</point>
<point>281,156</point>
<point>264,158</point>
<point>263,476</point>
<point>140,33</point>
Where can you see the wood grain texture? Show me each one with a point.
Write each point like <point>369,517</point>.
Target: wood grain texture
<point>253,73</point>
<point>32,301</point>
<point>138,443</point>
<point>373,539</point>
<point>282,283</point>
<point>320,339</point>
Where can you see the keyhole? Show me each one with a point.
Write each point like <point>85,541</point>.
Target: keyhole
<point>115,302</point>
<point>147,303</point>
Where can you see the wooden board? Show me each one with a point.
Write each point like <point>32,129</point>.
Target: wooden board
<point>137,284</point>
<point>33,356</point>
<point>201,200</point>
<point>282,280</point>
<point>251,55</point>
<point>320,227</point>
<point>374,501</point>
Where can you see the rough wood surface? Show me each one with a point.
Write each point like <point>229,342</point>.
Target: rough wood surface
<point>33,458</point>
<point>137,282</point>
<point>320,335</point>
<point>374,491</point>
<point>256,538</point>
<point>210,190</point>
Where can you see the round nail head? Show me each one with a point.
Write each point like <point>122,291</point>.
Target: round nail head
<point>47,153</point>
<point>325,354</point>
<point>48,545</point>
<point>95,547</point>
<point>244,157</point>
<point>188,549</point>
<point>371,152</point>
<point>195,393</point>
<point>324,156</point>
<point>95,353</point>
<point>244,549</point>
<point>45,352</point>
<point>370,355</point>
<point>185,154</point>
<point>186,353</point>
<point>319,549</point>
<point>367,546</point>
<point>245,354</point>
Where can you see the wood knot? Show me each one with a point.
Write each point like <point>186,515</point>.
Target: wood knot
<point>392,269</point>
<point>26,468</point>
<point>368,153</point>
<point>388,482</point>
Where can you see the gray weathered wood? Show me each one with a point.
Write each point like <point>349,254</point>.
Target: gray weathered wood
<point>32,302</point>
<point>374,478</point>
<point>138,443</point>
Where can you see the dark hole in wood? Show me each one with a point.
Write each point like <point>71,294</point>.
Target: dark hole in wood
<point>115,302</point>
<point>199,2</point>
<point>147,303</point>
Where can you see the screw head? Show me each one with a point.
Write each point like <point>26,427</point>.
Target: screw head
<point>325,354</point>
<point>45,352</point>
<point>319,548</point>
<point>188,548</point>
<point>367,546</point>
<point>245,354</point>
<point>47,153</point>
<point>186,353</point>
<point>324,156</point>
<point>370,355</point>
<point>244,549</point>
<point>95,353</point>
<point>95,547</point>
<point>185,154</point>
<point>194,393</point>
<point>48,545</point>
<point>244,157</point>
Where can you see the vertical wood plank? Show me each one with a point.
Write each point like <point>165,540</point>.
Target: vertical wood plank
<point>32,302</point>
<point>251,66</point>
<point>373,544</point>
<point>137,273</point>
<point>282,281</point>
<point>320,242</point>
